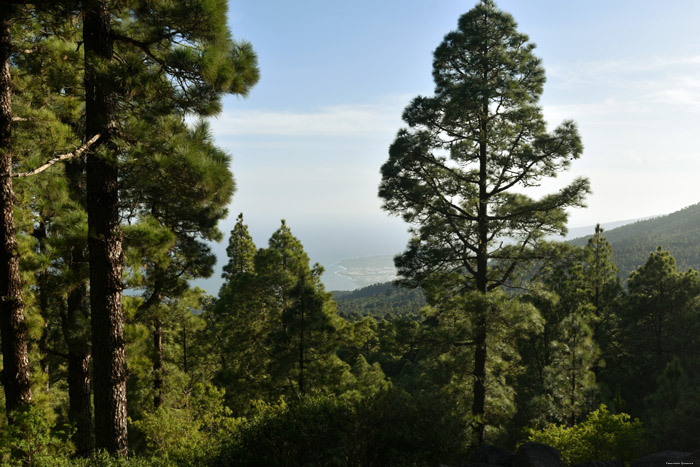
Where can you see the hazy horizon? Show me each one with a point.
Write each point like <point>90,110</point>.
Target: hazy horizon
<point>361,243</point>
<point>309,141</point>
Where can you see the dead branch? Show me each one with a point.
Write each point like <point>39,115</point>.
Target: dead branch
<point>61,157</point>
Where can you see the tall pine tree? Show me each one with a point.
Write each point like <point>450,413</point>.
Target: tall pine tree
<point>458,174</point>
<point>15,374</point>
<point>174,56</point>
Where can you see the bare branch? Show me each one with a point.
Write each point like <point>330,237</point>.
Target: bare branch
<point>60,158</point>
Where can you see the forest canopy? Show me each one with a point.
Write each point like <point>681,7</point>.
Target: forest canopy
<point>112,187</point>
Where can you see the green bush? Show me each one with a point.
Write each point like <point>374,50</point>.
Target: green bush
<point>32,440</point>
<point>188,435</point>
<point>391,428</point>
<point>103,459</point>
<point>602,436</point>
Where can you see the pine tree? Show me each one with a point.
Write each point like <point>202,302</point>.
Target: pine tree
<point>176,186</point>
<point>173,56</point>
<point>48,91</point>
<point>15,374</point>
<point>276,329</point>
<point>658,320</point>
<point>240,251</point>
<point>27,46</point>
<point>569,377</point>
<point>239,325</point>
<point>602,285</point>
<point>303,319</point>
<point>484,116</point>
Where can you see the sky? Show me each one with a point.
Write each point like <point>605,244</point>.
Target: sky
<point>309,140</point>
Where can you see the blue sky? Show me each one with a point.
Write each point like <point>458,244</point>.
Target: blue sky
<point>308,142</point>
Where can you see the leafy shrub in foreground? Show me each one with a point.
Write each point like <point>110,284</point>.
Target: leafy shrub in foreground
<point>32,440</point>
<point>391,428</point>
<point>602,436</point>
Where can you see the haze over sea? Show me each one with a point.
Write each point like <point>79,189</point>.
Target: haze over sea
<point>365,253</point>
<point>309,141</point>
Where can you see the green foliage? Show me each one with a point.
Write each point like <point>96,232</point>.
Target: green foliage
<point>391,428</point>
<point>657,322</point>
<point>103,459</point>
<point>445,346</point>
<point>385,300</point>
<point>187,434</point>
<point>569,377</point>
<point>602,436</point>
<point>31,440</point>
<point>677,232</point>
<point>276,330</point>
<point>458,174</point>
<point>394,382</point>
<point>672,412</point>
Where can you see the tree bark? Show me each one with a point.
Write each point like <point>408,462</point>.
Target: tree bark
<point>76,330</point>
<point>79,384</point>
<point>104,235</point>
<point>158,364</point>
<point>480,354</point>
<point>15,374</point>
<point>40,236</point>
<point>302,388</point>
<point>185,367</point>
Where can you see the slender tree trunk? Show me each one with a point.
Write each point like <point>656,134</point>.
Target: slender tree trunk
<point>302,389</point>
<point>44,348</point>
<point>15,374</point>
<point>76,330</point>
<point>184,348</point>
<point>480,354</point>
<point>79,385</point>
<point>158,364</point>
<point>40,236</point>
<point>572,399</point>
<point>104,236</point>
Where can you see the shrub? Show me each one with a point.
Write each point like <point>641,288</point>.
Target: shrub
<point>391,428</point>
<point>602,436</point>
<point>188,435</point>
<point>31,440</point>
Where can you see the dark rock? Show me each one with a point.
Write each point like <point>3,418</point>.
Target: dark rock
<point>693,458</point>
<point>491,455</point>
<point>533,454</point>
<point>601,464</point>
<point>659,459</point>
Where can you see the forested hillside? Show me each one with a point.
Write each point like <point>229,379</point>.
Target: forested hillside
<point>678,233</point>
<point>380,300</point>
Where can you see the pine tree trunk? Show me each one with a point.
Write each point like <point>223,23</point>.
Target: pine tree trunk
<point>104,237</point>
<point>158,364</point>
<point>76,331</point>
<point>40,236</point>
<point>15,374</point>
<point>479,386</point>
<point>302,388</point>
<point>79,385</point>
<point>185,366</point>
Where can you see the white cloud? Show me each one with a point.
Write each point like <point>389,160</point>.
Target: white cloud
<point>342,120</point>
<point>626,91</point>
<point>624,72</point>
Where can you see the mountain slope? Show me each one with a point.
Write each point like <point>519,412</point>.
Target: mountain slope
<point>678,232</point>
<point>380,300</point>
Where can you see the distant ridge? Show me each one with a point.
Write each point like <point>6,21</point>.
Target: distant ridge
<point>678,232</point>
<point>380,300</point>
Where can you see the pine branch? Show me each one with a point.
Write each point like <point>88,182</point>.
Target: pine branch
<point>57,353</point>
<point>60,158</point>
